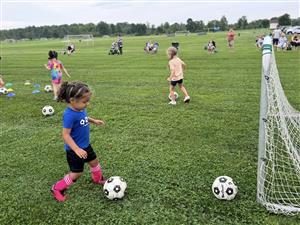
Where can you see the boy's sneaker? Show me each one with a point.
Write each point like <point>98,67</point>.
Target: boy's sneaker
<point>58,195</point>
<point>55,98</point>
<point>172,102</point>
<point>186,99</point>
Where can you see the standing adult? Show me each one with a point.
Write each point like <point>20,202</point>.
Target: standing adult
<point>276,35</point>
<point>230,38</point>
<point>120,44</point>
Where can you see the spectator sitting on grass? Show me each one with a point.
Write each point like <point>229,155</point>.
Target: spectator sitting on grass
<point>282,42</point>
<point>259,41</point>
<point>211,46</point>
<point>295,42</point>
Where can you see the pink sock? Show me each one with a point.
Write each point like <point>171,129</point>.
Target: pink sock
<point>64,183</point>
<point>96,173</point>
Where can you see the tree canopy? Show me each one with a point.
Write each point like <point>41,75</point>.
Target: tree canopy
<point>103,28</point>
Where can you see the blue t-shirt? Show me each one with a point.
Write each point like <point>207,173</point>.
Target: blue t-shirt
<point>78,122</point>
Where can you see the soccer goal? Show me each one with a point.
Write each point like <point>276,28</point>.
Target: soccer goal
<point>86,39</point>
<point>182,33</point>
<point>278,180</point>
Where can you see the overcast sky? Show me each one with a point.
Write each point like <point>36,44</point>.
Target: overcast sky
<point>21,13</point>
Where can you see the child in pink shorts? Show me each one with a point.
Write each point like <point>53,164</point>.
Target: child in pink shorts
<point>56,67</point>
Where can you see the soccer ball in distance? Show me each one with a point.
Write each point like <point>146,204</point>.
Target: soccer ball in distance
<point>114,188</point>
<point>48,88</point>
<point>3,91</point>
<point>224,188</point>
<point>48,110</point>
<point>27,82</point>
<point>176,95</point>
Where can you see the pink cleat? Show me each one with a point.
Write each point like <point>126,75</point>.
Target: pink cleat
<point>58,195</point>
<point>101,181</point>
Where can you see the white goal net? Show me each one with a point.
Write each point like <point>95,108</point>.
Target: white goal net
<point>278,181</point>
<point>87,39</point>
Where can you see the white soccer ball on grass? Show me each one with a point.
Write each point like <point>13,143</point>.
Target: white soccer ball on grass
<point>48,88</point>
<point>176,95</point>
<point>48,110</point>
<point>114,188</point>
<point>224,188</point>
<point>3,91</point>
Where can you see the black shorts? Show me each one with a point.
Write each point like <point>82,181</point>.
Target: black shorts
<point>174,82</point>
<point>76,163</point>
<point>275,41</point>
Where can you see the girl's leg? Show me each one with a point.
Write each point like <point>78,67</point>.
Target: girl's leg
<point>63,184</point>
<point>182,88</point>
<point>58,88</point>
<point>96,172</point>
<point>54,90</point>
<point>172,88</point>
<point>75,176</point>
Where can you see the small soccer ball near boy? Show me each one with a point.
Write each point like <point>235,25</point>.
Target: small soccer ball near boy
<point>224,188</point>
<point>48,110</point>
<point>48,88</point>
<point>176,96</point>
<point>114,188</point>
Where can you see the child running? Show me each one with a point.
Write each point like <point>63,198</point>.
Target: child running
<point>176,66</point>
<point>56,68</point>
<point>76,135</point>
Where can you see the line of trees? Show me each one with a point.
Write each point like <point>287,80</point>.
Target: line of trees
<point>103,28</point>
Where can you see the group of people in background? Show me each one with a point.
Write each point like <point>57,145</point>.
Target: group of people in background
<point>211,46</point>
<point>280,41</point>
<point>117,46</point>
<point>151,47</point>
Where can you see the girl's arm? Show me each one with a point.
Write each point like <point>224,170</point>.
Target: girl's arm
<point>96,121</point>
<point>69,141</point>
<point>47,67</point>
<point>183,66</point>
<point>66,72</point>
<point>1,82</point>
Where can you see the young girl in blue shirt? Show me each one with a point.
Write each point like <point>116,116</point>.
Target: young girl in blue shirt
<point>76,135</point>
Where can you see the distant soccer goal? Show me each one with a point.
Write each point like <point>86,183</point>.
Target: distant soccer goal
<point>86,39</point>
<point>182,33</point>
<point>278,180</point>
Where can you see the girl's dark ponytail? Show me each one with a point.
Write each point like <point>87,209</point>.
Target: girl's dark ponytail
<point>73,90</point>
<point>62,94</point>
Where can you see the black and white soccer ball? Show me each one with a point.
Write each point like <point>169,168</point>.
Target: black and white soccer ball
<point>114,188</point>
<point>224,188</point>
<point>48,88</point>
<point>3,91</point>
<point>48,110</point>
<point>176,95</point>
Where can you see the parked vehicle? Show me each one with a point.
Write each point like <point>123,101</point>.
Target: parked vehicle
<point>292,30</point>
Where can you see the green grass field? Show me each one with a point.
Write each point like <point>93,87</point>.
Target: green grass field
<point>169,156</point>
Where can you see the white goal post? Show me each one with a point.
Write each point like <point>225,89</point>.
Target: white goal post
<point>87,39</point>
<point>278,175</point>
